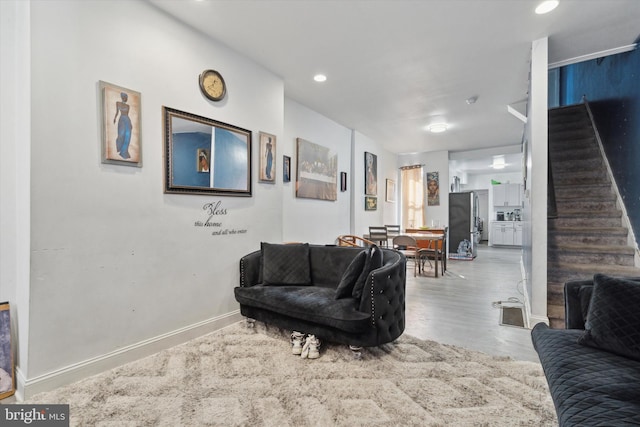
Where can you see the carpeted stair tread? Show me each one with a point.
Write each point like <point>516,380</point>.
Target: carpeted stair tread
<point>627,250</point>
<point>591,269</point>
<point>568,213</point>
<point>617,231</point>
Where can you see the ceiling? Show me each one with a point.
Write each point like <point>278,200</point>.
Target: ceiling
<point>393,66</point>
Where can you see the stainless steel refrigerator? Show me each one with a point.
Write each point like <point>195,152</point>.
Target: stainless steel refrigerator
<point>463,223</point>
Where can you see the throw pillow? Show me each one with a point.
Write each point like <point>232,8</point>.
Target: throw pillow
<point>374,261</point>
<point>613,319</point>
<point>285,264</point>
<point>351,275</point>
<point>584,293</point>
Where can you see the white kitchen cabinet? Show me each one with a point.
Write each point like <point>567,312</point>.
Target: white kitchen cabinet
<point>517,233</point>
<point>506,233</point>
<point>505,195</point>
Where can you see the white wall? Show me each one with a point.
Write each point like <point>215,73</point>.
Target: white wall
<point>433,161</point>
<point>387,213</point>
<point>312,220</point>
<point>535,212</point>
<point>15,169</point>
<point>114,261</point>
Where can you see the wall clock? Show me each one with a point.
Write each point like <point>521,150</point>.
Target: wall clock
<point>212,85</point>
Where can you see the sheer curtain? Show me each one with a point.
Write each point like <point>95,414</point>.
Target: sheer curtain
<point>412,197</point>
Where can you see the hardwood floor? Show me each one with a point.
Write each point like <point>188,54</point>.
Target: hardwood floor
<point>457,308</point>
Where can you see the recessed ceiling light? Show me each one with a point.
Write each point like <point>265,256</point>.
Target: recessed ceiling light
<point>546,6</point>
<point>320,78</point>
<point>437,127</point>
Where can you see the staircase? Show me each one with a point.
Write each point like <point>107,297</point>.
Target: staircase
<point>586,236</point>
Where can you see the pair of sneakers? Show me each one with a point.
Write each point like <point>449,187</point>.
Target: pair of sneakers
<point>305,346</point>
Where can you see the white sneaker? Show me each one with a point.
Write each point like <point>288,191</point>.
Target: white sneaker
<point>311,348</point>
<point>297,338</point>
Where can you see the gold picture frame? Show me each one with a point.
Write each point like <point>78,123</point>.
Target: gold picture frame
<point>267,163</point>
<point>121,130</point>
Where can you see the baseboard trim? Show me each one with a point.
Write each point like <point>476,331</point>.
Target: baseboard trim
<point>27,387</point>
<point>538,319</point>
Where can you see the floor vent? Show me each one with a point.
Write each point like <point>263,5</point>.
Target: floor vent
<point>512,316</point>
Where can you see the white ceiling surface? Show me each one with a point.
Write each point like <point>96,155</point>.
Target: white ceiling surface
<point>392,66</point>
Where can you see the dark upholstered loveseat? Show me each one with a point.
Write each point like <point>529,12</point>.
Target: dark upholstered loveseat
<point>365,317</point>
<point>594,374</point>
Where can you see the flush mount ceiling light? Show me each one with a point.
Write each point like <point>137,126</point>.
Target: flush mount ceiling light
<point>471,100</point>
<point>546,6</point>
<point>437,127</point>
<point>320,78</point>
<point>498,162</point>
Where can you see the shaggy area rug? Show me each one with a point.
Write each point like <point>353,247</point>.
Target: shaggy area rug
<point>248,377</point>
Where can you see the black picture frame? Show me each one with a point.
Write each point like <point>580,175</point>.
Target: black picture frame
<point>286,169</point>
<point>370,174</point>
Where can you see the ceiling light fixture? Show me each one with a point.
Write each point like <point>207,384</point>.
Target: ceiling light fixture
<point>437,127</point>
<point>498,162</point>
<point>320,78</point>
<point>546,6</point>
<point>471,100</point>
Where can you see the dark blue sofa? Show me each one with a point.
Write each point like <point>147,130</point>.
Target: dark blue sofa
<point>372,315</point>
<point>590,386</point>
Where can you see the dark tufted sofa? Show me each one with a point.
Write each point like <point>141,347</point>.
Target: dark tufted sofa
<point>375,315</point>
<point>594,374</point>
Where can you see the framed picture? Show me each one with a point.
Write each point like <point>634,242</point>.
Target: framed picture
<point>433,188</point>
<point>202,160</point>
<point>286,169</point>
<point>222,152</point>
<point>7,387</point>
<point>343,181</point>
<point>370,203</point>
<point>390,195</point>
<point>317,174</point>
<point>370,174</point>
<point>267,161</point>
<point>121,136</point>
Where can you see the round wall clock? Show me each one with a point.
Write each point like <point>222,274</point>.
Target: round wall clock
<point>212,85</point>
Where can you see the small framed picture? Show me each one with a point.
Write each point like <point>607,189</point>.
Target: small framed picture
<point>121,135</point>
<point>370,203</point>
<point>267,161</point>
<point>391,191</point>
<point>286,169</point>
<point>370,174</point>
<point>203,160</point>
<point>343,181</point>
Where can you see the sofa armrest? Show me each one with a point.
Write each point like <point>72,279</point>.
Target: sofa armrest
<point>574,306</point>
<point>383,296</point>
<point>577,295</point>
<point>250,271</point>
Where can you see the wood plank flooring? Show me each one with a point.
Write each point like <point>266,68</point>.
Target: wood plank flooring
<point>457,308</point>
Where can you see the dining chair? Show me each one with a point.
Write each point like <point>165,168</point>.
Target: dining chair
<point>409,247</point>
<point>392,231</point>
<point>379,234</point>
<point>437,250</point>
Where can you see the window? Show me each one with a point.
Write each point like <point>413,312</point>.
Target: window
<point>412,197</point>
